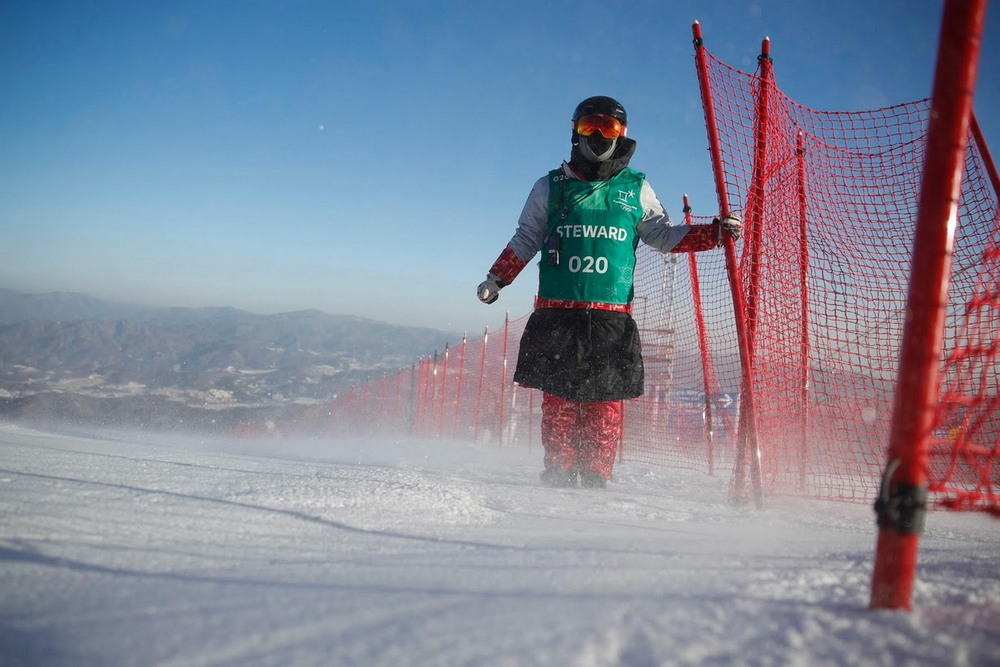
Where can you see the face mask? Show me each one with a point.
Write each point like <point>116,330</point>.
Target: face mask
<point>596,148</point>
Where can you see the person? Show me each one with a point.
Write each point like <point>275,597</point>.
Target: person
<point>580,345</point>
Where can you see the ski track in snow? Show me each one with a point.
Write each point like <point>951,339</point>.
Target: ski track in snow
<point>151,549</point>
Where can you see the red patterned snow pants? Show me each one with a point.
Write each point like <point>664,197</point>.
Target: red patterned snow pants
<point>581,436</point>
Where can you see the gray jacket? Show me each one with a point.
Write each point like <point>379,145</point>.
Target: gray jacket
<point>655,228</point>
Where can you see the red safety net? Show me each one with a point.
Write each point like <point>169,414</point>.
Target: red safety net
<point>829,202</point>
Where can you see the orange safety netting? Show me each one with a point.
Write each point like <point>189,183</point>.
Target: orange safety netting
<point>830,203</point>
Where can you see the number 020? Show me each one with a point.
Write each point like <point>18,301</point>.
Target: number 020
<point>588,264</point>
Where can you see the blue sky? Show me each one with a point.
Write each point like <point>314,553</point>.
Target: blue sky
<point>371,158</point>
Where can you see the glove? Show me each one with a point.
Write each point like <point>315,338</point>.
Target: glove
<point>731,225</point>
<point>489,289</point>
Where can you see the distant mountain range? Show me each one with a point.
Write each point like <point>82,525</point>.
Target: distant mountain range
<point>66,357</point>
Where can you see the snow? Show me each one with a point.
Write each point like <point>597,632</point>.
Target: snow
<point>150,549</point>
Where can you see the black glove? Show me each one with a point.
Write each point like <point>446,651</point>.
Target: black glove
<point>489,289</point>
<point>731,225</point>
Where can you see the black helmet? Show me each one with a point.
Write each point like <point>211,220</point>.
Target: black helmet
<point>602,105</point>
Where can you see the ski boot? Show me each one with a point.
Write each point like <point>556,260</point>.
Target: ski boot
<point>592,480</point>
<point>558,478</point>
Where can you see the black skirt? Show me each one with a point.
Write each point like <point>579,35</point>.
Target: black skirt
<point>581,355</point>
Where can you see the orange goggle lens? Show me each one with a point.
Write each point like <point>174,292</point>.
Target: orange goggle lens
<point>609,127</point>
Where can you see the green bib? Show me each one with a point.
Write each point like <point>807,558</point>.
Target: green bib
<point>593,227</point>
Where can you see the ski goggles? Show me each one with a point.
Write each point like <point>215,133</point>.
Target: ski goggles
<point>608,126</point>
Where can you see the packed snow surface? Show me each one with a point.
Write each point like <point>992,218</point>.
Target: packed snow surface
<point>141,549</point>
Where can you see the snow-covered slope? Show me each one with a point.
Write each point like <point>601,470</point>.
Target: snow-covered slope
<point>122,549</point>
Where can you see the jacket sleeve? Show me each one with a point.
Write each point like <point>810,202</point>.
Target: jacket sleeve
<point>656,230</point>
<point>533,225</point>
<point>529,237</point>
<point>699,237</point>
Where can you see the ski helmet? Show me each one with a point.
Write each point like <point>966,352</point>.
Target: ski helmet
<point>596,148</point>
<point>602,105</point>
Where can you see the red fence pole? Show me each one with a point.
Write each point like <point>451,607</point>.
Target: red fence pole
<point>699,320</point>
<point>984,152</point>
<point>414,401</point>
<point>397,402</point>
<point>418,396</point>
<point>800,153</point>
<point>902,500</point>
<point>754,213</point>
<point>432,404</point>
<point>444,391</point>
<point>458,392</point>
<point>501,426</point>
<point>748,415</point>
<point>482,380</point>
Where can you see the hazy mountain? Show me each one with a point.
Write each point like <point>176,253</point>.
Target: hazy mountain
<point>18,307</point>
<point>68,356</point>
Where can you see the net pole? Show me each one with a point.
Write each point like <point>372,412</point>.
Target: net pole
<point>501,422</point>
<point>442,404</point>
<point>755,231</point>
<point>800,153</point>
<point>482,380</point>
<point>747,437</point>
<point>427,401</point>
<point>755,197</point>
<point>415,378</point>
<point>984,152</point>
<point>397,401</point>
<point>458,391</point>
<point>382,410</point>
<point>433,414</point>
<point>699,320</point>
<point>902,500</point>
<point>418,417</point>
